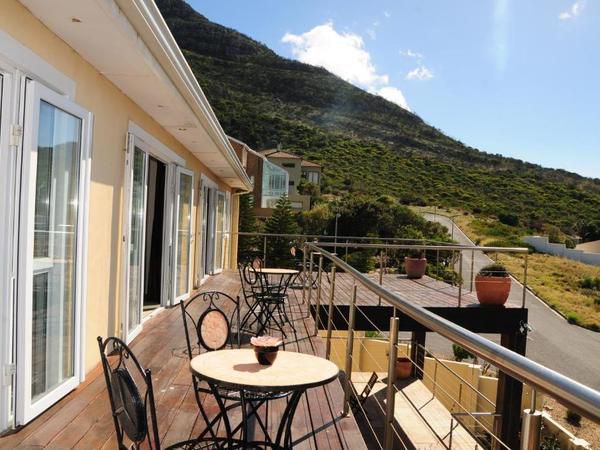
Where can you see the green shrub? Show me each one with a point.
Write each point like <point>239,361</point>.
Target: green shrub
<point>590,283</point>
<point>509,219</point>
<point>550,443</point>
<point>460,353</point>
<point>494,270</point>
<point>573,418</point>
<point>573,319</point>
<point>362,261</point>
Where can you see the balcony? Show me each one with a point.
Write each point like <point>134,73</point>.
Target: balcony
<point>362,322</point>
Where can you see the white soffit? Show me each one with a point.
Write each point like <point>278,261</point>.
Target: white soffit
<point>101,33</point>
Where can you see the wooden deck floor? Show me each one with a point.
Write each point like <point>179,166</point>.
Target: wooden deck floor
<point>82,419</point>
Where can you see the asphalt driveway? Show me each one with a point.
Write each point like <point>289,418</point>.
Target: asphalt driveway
<point>568,349</point>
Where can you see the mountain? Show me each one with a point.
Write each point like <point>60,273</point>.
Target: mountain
<point>364,142</point>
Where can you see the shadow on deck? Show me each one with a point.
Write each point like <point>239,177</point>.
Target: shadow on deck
<point>82,419</point>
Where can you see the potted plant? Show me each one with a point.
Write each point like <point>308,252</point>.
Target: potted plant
<point>403,368</point>
<point>415,264</point>
<point>492,285</point>
<point>265,349</point>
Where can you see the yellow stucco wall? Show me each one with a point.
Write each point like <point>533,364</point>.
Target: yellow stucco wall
<point>112,112</point>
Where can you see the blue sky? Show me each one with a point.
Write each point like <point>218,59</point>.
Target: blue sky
<point>515,77</point>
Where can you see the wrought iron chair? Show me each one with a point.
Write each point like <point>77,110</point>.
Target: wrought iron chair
<point>265,302</point>
<point>205,320</point>
<point>134,411</point>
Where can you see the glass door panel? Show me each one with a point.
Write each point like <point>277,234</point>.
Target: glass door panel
<point>220,231</point>
<point>183,232</point>
<point>137,220</point>
<point>54,247</point>
<point>51,209</point>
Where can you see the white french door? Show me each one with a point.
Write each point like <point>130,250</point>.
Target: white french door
<point>137,163</point>
<point>177,229</point>
<point>182,236</point>
<point>220,231</point>
<point>51,244</point>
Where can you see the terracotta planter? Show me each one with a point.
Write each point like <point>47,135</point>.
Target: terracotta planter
<point>403,368</point>
<point>265,355</point>
<point>415,267</point>
<point>492,290</point>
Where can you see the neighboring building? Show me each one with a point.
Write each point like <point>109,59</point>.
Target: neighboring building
<point>312,172</point>
<point>297,169</point>
<point>118,188</point>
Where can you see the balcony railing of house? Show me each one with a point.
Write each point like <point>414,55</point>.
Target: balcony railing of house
<point>332,290</point>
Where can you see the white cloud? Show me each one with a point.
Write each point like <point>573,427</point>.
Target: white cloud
<point>421,73</point>
<point>345,55</point>
<point>410,54</point>
<point>575,10</point>
<point>371,33</point>
<point>387,14</point>
<point>500,48</point>
<point>394,95</point>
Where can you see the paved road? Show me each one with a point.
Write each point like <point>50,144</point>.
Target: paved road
<point>566,348</point>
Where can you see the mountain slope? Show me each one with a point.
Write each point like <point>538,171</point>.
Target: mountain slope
<point>364,142</point>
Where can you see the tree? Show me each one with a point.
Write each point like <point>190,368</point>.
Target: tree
<point>247,223</point>
<point>283,221</point>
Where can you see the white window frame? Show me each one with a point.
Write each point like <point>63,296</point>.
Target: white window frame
<point>182,171</point>
<point>16,63</point>
<point>25,410</point>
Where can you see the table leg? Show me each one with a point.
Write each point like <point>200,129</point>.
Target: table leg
<point>285,427</point>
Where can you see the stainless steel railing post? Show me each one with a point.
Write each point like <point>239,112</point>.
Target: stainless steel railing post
<point>318,303</point>
<point>380,275</point>
<point>330,314</point>
<point>303,269</point>
<point>349,351</point>
<point>460,275</point>
<point>265,251</point>
<point>391,379</point>
<point>309,279</point>
<point>472,268</point>
<point>525,280</point>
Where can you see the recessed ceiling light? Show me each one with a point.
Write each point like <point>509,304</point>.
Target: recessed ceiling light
<point>182,129</point>
<point>161,106</point>
<point>75,20</point>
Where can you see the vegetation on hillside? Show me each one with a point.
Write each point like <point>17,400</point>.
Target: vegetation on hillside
<point>365,143</point>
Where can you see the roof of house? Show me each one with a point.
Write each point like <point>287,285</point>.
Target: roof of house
<point>139,55</point>
<point>276,153</point>
<point>590,247</point>
<point>306,163</point>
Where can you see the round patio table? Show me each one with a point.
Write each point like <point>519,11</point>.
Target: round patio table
<point>238,369</point>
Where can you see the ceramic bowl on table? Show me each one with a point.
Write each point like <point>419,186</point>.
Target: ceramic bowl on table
<point>265,349</point>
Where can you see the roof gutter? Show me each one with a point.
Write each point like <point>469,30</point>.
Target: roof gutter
<point>186,82</point>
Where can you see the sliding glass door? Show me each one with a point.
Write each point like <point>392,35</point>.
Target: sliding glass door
<point>50,267</point>
<point>220,231</point>
<point>137,163</point>
<point>183,232</point>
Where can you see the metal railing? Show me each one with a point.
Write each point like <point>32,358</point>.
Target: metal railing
<point>574,395</point>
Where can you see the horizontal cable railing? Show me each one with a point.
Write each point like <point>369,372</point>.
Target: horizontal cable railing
<point>569,392</point>
<point>575,395</point>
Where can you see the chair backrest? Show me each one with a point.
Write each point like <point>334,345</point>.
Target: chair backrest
<point>206,320</point>
<point>130,406</point>
<point>251,280</point>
